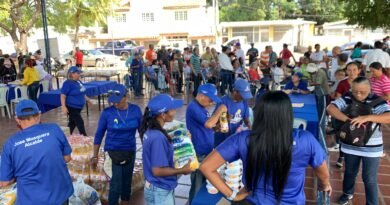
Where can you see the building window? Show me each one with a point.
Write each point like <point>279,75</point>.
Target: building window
<point>148,17</point>
<point>120,18</point>
<point>181,16</point>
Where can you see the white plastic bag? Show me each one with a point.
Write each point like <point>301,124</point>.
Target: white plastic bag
<point>85,193</point>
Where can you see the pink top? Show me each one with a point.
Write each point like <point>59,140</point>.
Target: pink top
<point>380,86</point>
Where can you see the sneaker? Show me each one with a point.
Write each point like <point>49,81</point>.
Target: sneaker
<point>335,148</point>
<point>344,199</point>
<point>339,162</point>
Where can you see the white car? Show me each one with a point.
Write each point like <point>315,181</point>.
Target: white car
<point>92,58</point>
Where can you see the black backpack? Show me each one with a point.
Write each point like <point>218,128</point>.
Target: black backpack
<point>353,135</point>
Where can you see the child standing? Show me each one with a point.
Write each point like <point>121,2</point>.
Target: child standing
<point>157,155</point>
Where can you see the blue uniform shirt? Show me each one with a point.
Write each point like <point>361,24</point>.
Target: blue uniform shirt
<point>306,151</point>
<point>301,86</point>
<point>35,158</point>
<point>202,137</point>
<point>239,112</point>
<point>158,152</point>
<point>75,93</point>
<point>121,127</point>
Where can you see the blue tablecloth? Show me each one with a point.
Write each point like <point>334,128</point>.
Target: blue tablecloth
<point>52,99</point>
<point>308,112</point>
<point>11,93</point>
<point>103,86</point>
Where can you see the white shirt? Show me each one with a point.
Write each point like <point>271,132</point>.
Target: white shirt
<point>377,55</point>
<point>225,62</point>
<point>318,56</point>
<point>41,71</point>
<point>241,54</point>
<point>334,67</point>
<point>278,74</point>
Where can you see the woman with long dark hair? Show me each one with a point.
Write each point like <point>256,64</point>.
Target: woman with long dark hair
<point>274,156</point>
<point>157,152</point>
<point>380,83</point>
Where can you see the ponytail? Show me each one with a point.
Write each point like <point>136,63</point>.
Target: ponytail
<point>150,121</point>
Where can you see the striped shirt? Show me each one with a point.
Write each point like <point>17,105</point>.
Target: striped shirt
<point>374,146</point>
<point>381,86</point>
<point>195,62</point>
<point>264,59</point>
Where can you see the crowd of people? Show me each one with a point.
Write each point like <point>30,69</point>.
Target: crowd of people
<point>274,154</point>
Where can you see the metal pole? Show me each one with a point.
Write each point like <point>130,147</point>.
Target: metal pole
<point>46,36</point>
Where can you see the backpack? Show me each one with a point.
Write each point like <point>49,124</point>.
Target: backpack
<point>358,136</point>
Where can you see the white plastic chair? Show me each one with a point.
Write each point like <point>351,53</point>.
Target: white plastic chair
<point>23,96</point>
<point>300,123</point>
<point>45,87</point>
<point>3,101</point>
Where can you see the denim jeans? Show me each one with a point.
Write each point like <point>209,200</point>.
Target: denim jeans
<point>369,173</point>
<point>227,81</point>
<point>33,91</point>
<point>197,180</point>
<point>197,80</point>
<point>157,196</point>
<point>120,184</point>
<point>137,80</point>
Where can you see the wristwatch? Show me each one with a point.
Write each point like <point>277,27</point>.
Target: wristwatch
<point>234,194</point>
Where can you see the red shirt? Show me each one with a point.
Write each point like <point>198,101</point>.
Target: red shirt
<point>79,57</point>
<point>285,54</point>
<point>150,55</point>
<point>343,87</point>
<point>253,75</point>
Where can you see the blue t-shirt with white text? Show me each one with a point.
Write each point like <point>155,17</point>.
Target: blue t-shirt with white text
<point>35,158</point>
<point>75,93</point>
<point>306,151</point>
<point>239,111</point>
<point>121,127</point>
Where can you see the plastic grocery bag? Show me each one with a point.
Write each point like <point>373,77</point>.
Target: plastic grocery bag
<point>85,193</point>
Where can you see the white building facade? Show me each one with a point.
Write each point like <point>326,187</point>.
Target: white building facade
<point>151,22</point>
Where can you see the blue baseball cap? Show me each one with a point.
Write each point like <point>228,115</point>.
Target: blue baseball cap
<point>162,103</point>
<point>117,93</point>
<point>210,91</point>
<point>26,108</point>
<point>74,69</point>
<point>242,86</point>
<point>298,74</point>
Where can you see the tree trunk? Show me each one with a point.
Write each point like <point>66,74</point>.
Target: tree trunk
<point>23,43</point>
<point>77,28</point>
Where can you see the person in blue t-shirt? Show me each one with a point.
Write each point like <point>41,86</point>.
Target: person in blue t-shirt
<point>136,72</point>
<point>237,109</point>
<point>73,100</point>
<point>157,152</point>
<point>279,153</point>
<point>200,124</point>
<point>34,157</point>
<point>120,121</point>
<point>296,85</point>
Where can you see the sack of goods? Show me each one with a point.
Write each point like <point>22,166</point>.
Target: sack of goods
<point>8,195</point>
<point>210,188</point>
<point>182,145</point>
<point>233,175</point>
<point>84,194</point>
<point>98,179</point>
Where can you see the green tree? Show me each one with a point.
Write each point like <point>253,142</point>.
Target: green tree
<point>75,13</point>
<point>281,9</point>
<point>17,18</point>
<point>322,11</point>
<point>242,10</point>
<point>368,13</point>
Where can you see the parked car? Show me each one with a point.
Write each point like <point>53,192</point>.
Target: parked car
<point>92,58</point>
<point>348,48</point>
<point>120,48</point>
